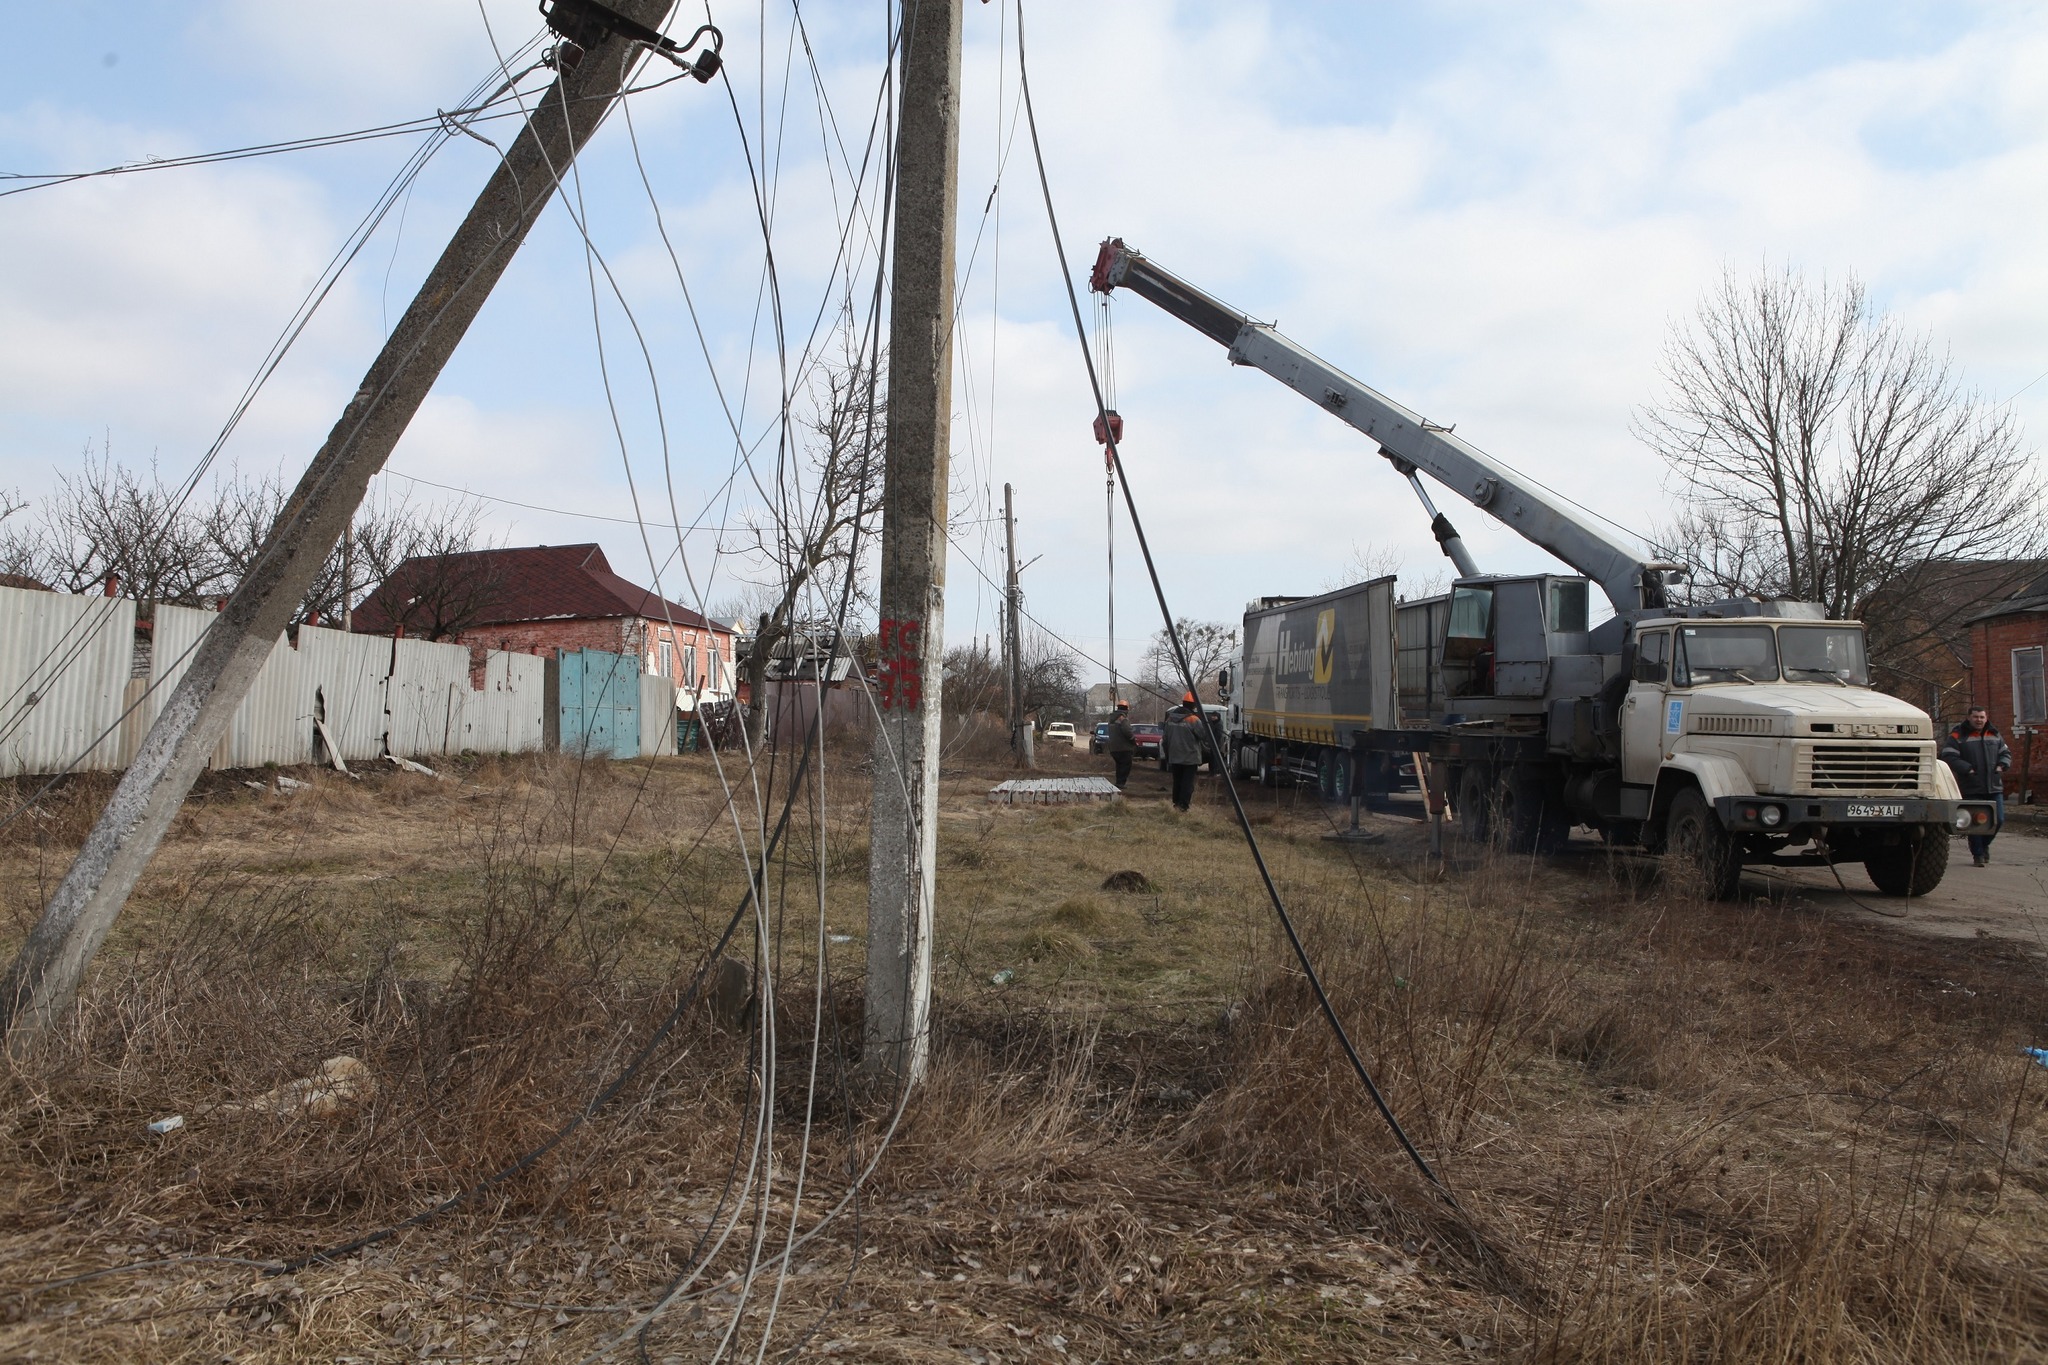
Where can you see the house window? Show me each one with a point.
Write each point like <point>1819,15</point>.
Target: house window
<point>711,673</point>
<point>2029,687</point>
<point>668,666</point>
<point>690,667</point>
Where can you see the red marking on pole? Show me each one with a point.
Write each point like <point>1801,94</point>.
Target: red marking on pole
<point>899,674</point>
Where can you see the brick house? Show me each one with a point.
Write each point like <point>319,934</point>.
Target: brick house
<point>543,599</point>
<point>2008,645</point>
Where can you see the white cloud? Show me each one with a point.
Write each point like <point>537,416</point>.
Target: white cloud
<point>1492,213</point>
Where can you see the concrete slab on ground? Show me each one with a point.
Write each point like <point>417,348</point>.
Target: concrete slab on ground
<point>1037,791</point>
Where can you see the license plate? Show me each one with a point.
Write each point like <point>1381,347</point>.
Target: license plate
<point>1863,811</point>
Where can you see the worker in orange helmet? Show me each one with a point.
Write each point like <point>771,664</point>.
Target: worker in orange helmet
<point>1185,746</point>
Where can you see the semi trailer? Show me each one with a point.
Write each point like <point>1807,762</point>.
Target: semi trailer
<point>1726,734</point>
<point>1313,674</point>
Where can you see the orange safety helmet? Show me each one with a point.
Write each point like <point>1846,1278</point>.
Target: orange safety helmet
<point>1188,699</point>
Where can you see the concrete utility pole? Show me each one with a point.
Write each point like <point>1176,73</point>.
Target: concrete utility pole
<point>1013,598</point>
<point>44,977</point>
<point>903,838</point>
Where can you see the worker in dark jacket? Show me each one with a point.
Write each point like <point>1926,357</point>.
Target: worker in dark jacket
<point>1978,756</point>
<point>1186,745</point>
<point>1121,745</point>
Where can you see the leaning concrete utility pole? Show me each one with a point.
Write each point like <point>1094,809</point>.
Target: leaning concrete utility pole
<point>903,835</point>
<point>45,975</point>
<point>1013,642</point>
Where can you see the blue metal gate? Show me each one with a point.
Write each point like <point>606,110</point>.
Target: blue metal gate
<point>600,703</point>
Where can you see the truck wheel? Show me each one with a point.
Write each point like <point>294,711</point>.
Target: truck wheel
<point>1910,869</point>
<point>1475,803</point>
<point>1696,843</point>
<point>1267,776</point>
<point>1532,816</point>
<point>1336,776</point>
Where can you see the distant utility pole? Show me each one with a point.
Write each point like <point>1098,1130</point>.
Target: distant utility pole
<point>45,975</point>
<point>903,836</point>
<point>1013,598</point>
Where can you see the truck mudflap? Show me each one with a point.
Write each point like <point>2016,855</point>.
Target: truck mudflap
<point>1777,814</point>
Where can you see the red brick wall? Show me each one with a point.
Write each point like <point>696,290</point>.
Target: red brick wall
<point>615,635</point>
<point>679,637</point>
<point>1991,645</point>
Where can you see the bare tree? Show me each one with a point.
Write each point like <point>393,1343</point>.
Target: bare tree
<point>1051,677</point>
<point>164,543</point>
<point>17,548</point>
<point>106,519</point>
<point>447,587</point>
<point>826,504</point>
<point>974,680</point>
<point>1210,645</point>
<point>1369,561</point>
<point>1825,453</point>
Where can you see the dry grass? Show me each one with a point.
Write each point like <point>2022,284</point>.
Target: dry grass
<point>1675,1131</point>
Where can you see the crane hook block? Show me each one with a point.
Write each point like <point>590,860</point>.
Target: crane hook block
<point>1113,430</point>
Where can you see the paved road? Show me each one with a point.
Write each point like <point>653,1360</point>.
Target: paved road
<point>2008,899</point>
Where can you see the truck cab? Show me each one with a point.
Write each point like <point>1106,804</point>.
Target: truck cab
<point>1738,733</point>
<point>1755,733</point>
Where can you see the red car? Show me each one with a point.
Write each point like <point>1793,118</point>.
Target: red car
<point>1150,738</point>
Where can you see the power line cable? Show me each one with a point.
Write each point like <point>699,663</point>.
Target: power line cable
<point>1301,956</point>
<point>692,529</point>
<point>754,1259</point>
<point>459,119</point>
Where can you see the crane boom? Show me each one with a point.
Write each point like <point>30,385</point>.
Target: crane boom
<point>1405,438</point>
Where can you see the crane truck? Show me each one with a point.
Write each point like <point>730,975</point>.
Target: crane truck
<point>1739,732</point>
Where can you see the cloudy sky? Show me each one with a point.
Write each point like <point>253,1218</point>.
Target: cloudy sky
<point>1491,212</point>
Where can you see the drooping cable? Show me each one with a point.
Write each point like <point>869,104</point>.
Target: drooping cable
<point>1106,367</point>
<point>1329,1010</point>
<point>604,1096</point>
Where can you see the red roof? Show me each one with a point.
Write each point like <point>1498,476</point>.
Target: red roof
<point>526,583</point>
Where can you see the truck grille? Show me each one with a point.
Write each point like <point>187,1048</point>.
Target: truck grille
<point>1860,767</point>
<point>1731,725</point>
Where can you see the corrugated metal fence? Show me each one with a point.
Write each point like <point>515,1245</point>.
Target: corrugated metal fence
<point>657,715</point>
<point>65,666</point>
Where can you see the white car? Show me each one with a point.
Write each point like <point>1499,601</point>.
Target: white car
<point>1062,732</point>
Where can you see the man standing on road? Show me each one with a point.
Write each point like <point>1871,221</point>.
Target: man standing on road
<point>1185,744</point>
<point>1121,744</point>
<point>1977,753</point>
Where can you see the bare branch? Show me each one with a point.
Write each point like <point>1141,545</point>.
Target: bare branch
<point>1822,452</point>
<point>824,506</point>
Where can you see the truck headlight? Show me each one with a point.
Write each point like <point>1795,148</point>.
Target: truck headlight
<point>1962,818</point>
<point>1773,816</point>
